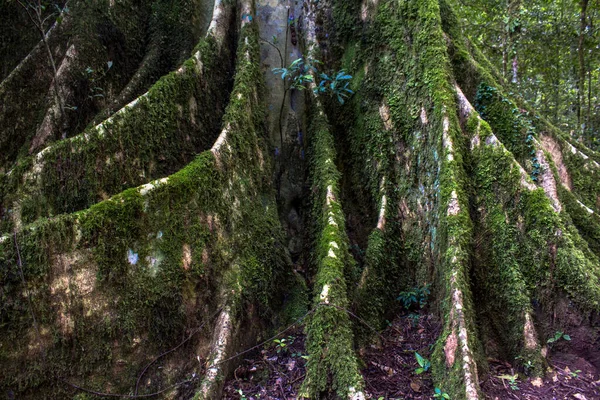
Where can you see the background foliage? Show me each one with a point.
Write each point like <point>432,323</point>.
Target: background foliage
<point>548,51</point>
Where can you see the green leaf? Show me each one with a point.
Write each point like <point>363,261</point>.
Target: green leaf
<point>420,359</point>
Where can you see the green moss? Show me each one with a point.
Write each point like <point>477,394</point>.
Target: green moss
<point>582,167</point>
<point>332,365</point>
<point>158,264</point>
<point>504,279</point>
<point>155,138</point>
<point>587,224</point>
<point>395,123</point>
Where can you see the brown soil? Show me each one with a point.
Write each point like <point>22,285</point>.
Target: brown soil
<point>275,372</point>
<point>569,377</point>
<point>391,364</point>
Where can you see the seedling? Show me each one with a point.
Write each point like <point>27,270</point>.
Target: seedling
<point>300,74</point>
<point>575,374</point>
<point>299,355</point>
<point>337,85</point>
<point>282,344</point>
<point>438,394</point>
<point>415,296</point>
<point>424,364</point>
<point>558,336</point>
<point>512,380</point>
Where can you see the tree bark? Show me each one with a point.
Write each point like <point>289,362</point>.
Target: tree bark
<point>150,252</point>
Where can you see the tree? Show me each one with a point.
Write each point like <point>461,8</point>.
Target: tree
<point>156,233</point>
<point>550,75</point>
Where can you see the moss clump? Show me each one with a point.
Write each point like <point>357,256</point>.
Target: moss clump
<point>332,365</point>
<point>131,276</point>
<point>406,144</point>
<point>156,137</point>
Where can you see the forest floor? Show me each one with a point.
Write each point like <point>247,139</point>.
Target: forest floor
<point>392,370</point>
<point>390,366</point>
<point>276,372</point>
<point>568,377</point>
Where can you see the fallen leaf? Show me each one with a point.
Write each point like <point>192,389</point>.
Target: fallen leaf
<point>291,364</point>
<point>579,396</point>
<point>537,382</point>
<point>415,386</point>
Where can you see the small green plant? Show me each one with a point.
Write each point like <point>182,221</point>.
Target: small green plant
<point>302,71</point>
<point>438,394</point>
<point>415,296</point>
<point>94,77</point>
<point>575,374</point>
<point>528,366</point>
<point>299,355</point>
<point>557,337</point>
<point>284,343</point>
<point>299,73</point>
<point>424,364</point>
<point>280,344</point>
<point>414,319</point>
<point>336,85</point>
<point>242,395</point>
<point>512,380</point>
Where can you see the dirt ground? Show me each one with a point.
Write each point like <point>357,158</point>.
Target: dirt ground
<point>390,368</point>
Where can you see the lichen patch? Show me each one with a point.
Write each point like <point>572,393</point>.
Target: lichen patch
<point>553,148</point>
<point>450,348</point>
<point>529,333</point>
<point>386,116</point>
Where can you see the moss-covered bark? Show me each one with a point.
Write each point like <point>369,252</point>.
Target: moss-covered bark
<point>470,193</point>
<point>332,367</point>
<point>113,286</point>
<point>97,49</point>
<point>152,137</point>
<point>471,217</point>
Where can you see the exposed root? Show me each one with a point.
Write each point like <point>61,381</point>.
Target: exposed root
<point>221,348</point>
<point>61,93</point>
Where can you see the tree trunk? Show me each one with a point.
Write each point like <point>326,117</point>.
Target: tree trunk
<point>149,252</point>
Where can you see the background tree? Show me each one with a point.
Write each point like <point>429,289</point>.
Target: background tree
<point>560,77</point>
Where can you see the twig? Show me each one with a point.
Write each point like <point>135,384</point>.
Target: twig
<point>39,25</point>
<point>359,319</point>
